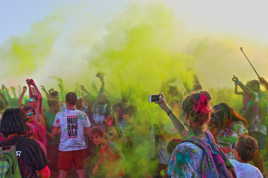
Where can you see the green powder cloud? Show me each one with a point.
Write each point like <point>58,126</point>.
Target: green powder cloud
<point>139,51</point>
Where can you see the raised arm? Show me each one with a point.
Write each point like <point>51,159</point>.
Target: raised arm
<point>84,90</point>
<point>43,88</point>
<point>30,87</point>
<point>3,98</point>
<point>61,88</point>
<point>6,92</point>
<point>178,123</point>
<point>34,89</point>
<point>35,93</point>
<point>245,89</point>
<point>236,90</point>
<point>197,85</point>
<point>101,77</point>
<point>13,90</point>
<point>264,83</point>
<point>24,89</point>
<point>186,87</point>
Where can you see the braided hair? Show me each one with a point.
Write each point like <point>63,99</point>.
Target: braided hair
<point>12,122</point>
<point>196,108</point>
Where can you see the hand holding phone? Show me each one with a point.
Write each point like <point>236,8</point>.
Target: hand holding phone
<point>154,98</point>
<point>160,99</point>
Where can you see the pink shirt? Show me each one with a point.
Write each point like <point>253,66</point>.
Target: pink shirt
<point>38,133</point>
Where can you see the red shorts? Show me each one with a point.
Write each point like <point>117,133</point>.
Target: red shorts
<point>71,159</point>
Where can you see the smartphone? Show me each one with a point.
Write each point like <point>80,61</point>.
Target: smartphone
<point>154,98</point>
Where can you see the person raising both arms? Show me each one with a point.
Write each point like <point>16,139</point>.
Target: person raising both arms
<point>34,114</point>
<point>245,149</point>
<point>252,111</point>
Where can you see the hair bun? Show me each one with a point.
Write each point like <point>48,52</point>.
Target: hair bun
<point>201,105</point>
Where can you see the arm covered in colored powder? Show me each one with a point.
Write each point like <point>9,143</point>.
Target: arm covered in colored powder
<point>101,77</point>
<point>245,89</point>
<point>6,93</point>
<point>4,100</point>
<point>35,93</point>
<point>236,90</point>
<point>178,124</point>
<point>61,87</point>
<point>84,90</point>
<point>43,88</point>
<point>20,101</point>
<point>14,93</point>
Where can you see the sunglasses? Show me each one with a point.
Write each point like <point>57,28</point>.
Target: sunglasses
<point>30,114</point>
<point>31,100</point>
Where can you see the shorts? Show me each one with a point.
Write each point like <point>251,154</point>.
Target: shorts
<point>72,159</point>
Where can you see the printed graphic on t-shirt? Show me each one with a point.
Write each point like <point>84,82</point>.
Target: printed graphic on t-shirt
<point>18,153</point>
<point>72,126</point>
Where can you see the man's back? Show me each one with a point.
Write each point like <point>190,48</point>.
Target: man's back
<point>72,124</point>
<point>245,170</point>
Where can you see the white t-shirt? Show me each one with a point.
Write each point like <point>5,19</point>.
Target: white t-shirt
<point>72,124</point>
<point>245,170</point>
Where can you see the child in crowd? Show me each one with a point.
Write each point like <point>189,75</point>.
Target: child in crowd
<point>245,150</point>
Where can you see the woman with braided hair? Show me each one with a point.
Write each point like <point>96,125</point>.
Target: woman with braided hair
<point>198,155</point>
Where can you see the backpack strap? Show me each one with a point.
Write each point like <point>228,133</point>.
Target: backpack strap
<point>207,159</point>
<point>213,144</point>
<point>208,151</point>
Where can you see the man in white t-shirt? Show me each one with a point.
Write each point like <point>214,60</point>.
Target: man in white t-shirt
<point>246,148</point>
<point>73,126</point>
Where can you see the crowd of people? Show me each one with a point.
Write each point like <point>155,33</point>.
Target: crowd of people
<point>73,134</point>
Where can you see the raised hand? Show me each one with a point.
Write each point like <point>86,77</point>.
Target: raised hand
<point>100,75</point>
<point>235,79</point>
<point>262,80</point>
<point>3,87</point>
<point>83,88</point>
<point>30,82</point>
<point>163,103</point>
<point>24,89</point>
